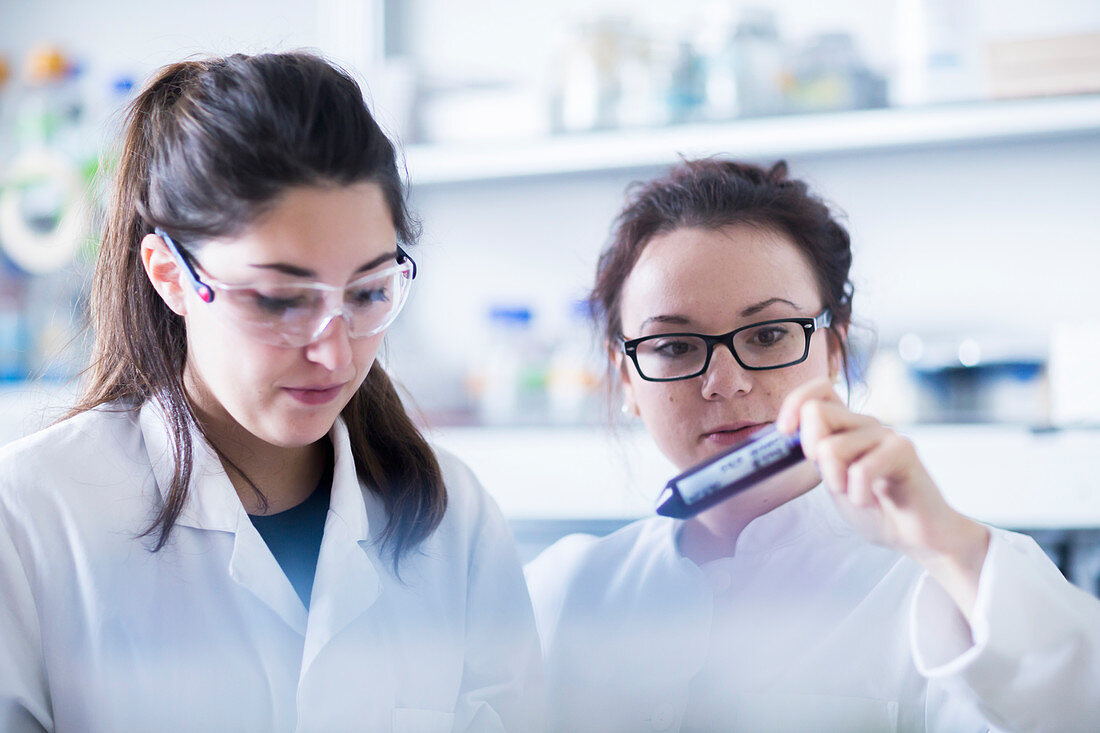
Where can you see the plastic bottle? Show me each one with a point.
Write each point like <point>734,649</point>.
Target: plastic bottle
<point>758,54</point>
<point>573,374</point>
<point>939,52</point>
<point>511,376</point>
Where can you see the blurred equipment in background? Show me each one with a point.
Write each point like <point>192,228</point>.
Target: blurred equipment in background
<point>573,374</point>
<point>49,157</point>
<point>1038,67</point>
<point>828,74</point>
<point>42,213</point>
<point>939,52</point>
<point>508,381</point>
<point>961,379</point>
<point>610,72</point>
<point>525,375</point>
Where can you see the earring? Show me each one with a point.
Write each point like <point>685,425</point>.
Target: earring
<point>629,410</point>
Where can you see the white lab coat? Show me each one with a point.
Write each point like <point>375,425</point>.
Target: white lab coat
<point>808,628</point>
<point>99,634</point>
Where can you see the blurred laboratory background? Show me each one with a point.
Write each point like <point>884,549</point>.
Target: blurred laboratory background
<point>959,138</point>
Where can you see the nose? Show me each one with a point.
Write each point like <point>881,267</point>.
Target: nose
<point>724,377</point>
<point>332,349</point>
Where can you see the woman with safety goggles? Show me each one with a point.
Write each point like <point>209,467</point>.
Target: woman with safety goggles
<point>841,594</point>
<point>239,527</point>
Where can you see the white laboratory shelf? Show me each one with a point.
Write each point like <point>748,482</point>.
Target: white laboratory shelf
<point>770,137</point>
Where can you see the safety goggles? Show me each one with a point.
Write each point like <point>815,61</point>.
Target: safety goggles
<point>296,314</point>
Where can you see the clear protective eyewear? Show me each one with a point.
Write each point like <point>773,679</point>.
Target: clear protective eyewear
<point>297,314</point>
<point>773,344</point>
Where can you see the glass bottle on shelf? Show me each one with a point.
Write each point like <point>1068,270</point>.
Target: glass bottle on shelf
<point>509,381</point>
<point>574,371</point>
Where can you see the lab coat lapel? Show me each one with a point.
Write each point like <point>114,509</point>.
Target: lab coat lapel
<point>213,505</point>
<point>347,582</point>
<point>254,568</point>
<point>212,502</point>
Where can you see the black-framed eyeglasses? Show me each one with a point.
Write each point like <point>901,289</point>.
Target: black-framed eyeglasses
<point>774,344</point>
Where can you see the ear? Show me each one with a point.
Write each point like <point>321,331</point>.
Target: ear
<point>164,273</point>
<point>622,366</point>
<point>839,335</point>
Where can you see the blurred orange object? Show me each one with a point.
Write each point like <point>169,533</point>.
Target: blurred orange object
<point>45,64</point>
<point>5,71</point>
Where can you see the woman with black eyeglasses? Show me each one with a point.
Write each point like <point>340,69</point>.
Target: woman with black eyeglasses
<point>841,594</point>
<point>239,528</point>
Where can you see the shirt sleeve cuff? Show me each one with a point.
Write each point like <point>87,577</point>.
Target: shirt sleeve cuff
<point>943,642</point>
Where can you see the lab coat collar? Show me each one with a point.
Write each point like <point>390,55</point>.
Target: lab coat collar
<point>212,502</point>
<point>346,582</point>
<point>787,524</point>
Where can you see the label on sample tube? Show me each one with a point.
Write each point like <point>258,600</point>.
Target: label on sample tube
<point>742,466</point>
<point>759,451</point>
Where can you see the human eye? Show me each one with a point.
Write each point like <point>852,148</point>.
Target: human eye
<point>673,347</point>
<point>367,294</point>
<point>768,335</point>
<point>280,301</point>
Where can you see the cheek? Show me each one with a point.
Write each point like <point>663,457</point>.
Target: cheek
<point>666,406</point>
<point>778,383</point>
<point>366,351</point>
<point>225,358</point>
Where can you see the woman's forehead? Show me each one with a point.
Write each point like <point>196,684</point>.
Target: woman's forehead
<point>703,273</point>
<point>315,228</point>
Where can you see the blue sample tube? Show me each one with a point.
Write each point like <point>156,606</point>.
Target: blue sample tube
<point>744,465</point>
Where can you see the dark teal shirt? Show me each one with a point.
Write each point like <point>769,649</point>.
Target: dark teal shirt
<point>294,536</point>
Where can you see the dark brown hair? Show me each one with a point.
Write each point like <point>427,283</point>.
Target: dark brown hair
<point>207,147</point>
<point>712,194</point>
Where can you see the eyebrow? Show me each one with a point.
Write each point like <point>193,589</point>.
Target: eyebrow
<point>296,271</point>
<point>678,320</point>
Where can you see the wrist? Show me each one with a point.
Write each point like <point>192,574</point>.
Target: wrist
<point>955,559</point>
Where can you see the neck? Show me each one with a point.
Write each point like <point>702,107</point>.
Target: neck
<point>284,476</point>
<point>713,534</point>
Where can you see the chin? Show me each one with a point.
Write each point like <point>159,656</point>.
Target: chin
<point>295,434</point>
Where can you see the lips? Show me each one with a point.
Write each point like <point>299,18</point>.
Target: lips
<point>314,395</point>
<point>726,435</point>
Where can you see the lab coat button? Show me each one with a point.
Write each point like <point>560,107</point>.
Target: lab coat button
<point>663,715</point>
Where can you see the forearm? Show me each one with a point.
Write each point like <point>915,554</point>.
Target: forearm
<point>954,557</point>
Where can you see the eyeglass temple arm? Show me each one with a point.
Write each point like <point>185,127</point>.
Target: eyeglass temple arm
<point>200,287</point>
<point>402,257</point>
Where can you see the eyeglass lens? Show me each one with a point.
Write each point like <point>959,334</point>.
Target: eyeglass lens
<point>293,315</point>
<point>763,346</point>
